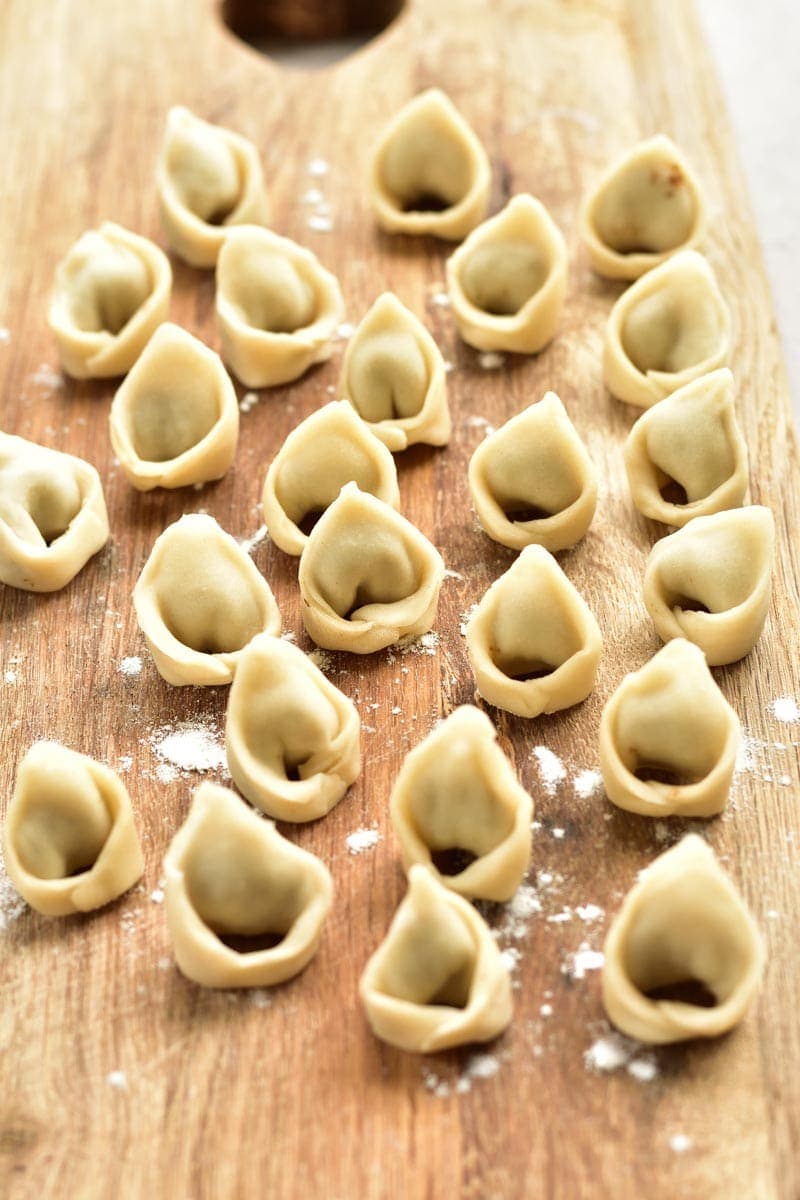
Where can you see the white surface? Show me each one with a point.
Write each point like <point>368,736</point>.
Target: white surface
<point>756,47</point>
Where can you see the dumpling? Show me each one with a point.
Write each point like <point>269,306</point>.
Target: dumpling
<point>507,282</point>
<point>111,292</point>
<point>437,980</point>
<point>329,449</point>
<point>208,180</point>
<point>686,456</point>
<point>368,577</point>
<point>277,307</point>
<point>683,957</point>
<point>458,809</point>
<point>199,600</point>
<point>175,419</point>
<point>393,375</point>
<point>533,644</point>
<point>429,173</point>
<point>52,515</point>
<point>646,207</point>
<point>69,841</point>
<point>670,327</point>
<point>669,738</point>
<point>292,738</point>
<point>711,582</point>
<point>245,907</point>
<point>532,480</point>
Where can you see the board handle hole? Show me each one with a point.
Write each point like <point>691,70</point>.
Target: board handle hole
<point>308,34</point>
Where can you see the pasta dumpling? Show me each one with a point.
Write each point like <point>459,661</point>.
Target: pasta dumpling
<point>52,515</point>
<point>393,374</point>
<point>175,419</point>
<point>429,173</point>
<point>199,600</point>
<point>329,449</point>
<point>277,307</point>
<point>69,841</point>
<point>669,738</point>
<point>245,907</point>
<point>367,576</point>
<point>208,180</point>
<point>686,456</point>
<point>508,280</point>
<point>533,644</point>
<point>292,738</point>
<point>458,809</point>
<point>683,957</point>
<point>532,480</point>
<point>438,979</point>
<point>111,292</point>
<point>670,327</point>
<point>711,582</point>
<point>646,207</point>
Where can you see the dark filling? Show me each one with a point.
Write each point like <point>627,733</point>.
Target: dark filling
<point>689,604</point>
<point>426,202</point>
<point>673,492</point>
<point>519,514</point>
<point>309,520</point>
<point>251,943</point>
<point>453,860</point>
<point>655,773</point>
<point>686,991</point>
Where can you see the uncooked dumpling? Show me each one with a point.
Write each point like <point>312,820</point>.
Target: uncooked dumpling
<point>670,327</point>
<point>686,457</point>
<point>245,907</point>
<point>683,957</point>
<point>292,738</point>
<point>111,292</point>
<point>368,577</point>
<point>669,738</point>
<point>69,841</point>
<point>646,207</point>
<point>208,179</point>
<point>507,282</point>
<point>532,480</point>
<point>711,582</point>
<point>277,307</point>
<point>329,449</point>
<point>437,980</point>
<point>175,419</point>
<point>429,173</point>
<point>458,809</point>
<point>533,644</point>
<point>393,374</point>
<point>199,600</point>
<point>52,515</point>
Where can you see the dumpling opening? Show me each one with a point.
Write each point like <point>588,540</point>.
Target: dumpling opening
<point>685,991</point>
<point>163,424</point>
<point>204,172</point>
<point>647,208</point>
<point>425,168</point>
<point>500,277</point>
<point>310,480</point>
<point>62,831</point>
<point>284,726</point>
<point>388,377</point>
<point>364,575</point>
<point>447,983</point>
<point>452,860</point>
<point>671,491</point>
<point>664,740</point>
<point>268,291</point>
<point>52,506</point>
<point>672,330</point>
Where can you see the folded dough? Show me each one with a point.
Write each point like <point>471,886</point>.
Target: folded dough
<point>277,307</point>
<point>175,419</point>
<point>329,449</point>
<point>647,206</point>
<point>669,328</point>
<point>507,282</point>
<point>683,957</point>
<point>669,738</point>
<point>199,600</point>
<point>437,980</point>
<point>368,577</point>
<point>532,480</point>
<point>393,374</point>
<point>52,515</point>
<point>292,738</point>
<point>69,841</point>
<point>458,809</point>
<point>429,173</point>
<point>208,179</point>
<point>533,644</point>
<point>111,292</point>
<point>245,907</point>
<point>711,582</point>
<point>686,457</point>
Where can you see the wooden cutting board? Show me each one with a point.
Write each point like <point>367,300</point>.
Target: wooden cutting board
<point>224,1095</point>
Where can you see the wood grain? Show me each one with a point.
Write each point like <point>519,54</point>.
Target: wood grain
<point>225,1098</point>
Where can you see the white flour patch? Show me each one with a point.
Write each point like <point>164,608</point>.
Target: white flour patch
<point>587,784</point>
<point>157,895</point>
<point>249,544</point>
<point>248,401</point>
<point>10,677</point>
<point>260,998</point>
<point>440,299</point>
<point>5,335</point>
<point>583,960</point>
<point>785,709</point>
<point>321,659</point>
<point>320,223</point>
<point>613,1050</point>
<point>362,839</point>
<point>188,746</point>
<point>130,666</point>
<point>551,769</point>
<point>117,1080</point>
<point>312,196</point>
<point>45,376</point>
<point>589,912</point>
<point>345,330</point>
<point>680,1143</point>
<point>491,361</point>
<point>465,618</point>
<point>12,906</point>
<point>426,643</point>
<point>318,167</point>
<point>521,908</point>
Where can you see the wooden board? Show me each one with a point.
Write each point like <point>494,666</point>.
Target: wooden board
<point>222,1097</point>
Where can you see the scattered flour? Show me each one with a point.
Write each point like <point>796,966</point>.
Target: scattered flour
<point>131,665</point>
<point>551,769</point>
<point>362,839</point>
<point>248,401</point>
<point>522,906</point>
<point>680,1143</point>
<point>452,574</point>
<point>45,376</point>
<point>785,709</point>
<point>312,196</point>
<point>589,912</point>
<point>613,1050</point>
<point>491,361</point>
<point>12,906</point>
<point>558,833</point>
<point>188,746</point>
<point>10,677</point>
<point>479,1066</point>
<point>118,1080</point>
<point>260,998</point>
<point>321,659</point>
<point>5,335</point>
<point>157,895</point>
<point>440,299</point>
<point>587,784</point>
<point>320,222</point>
<point>124,763</point>
<point>426,643</point>
<point>465,616</point>
<point>584,959</point>
<point>249,544</point>
<point>345,330</point>
<point>318,167</point>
